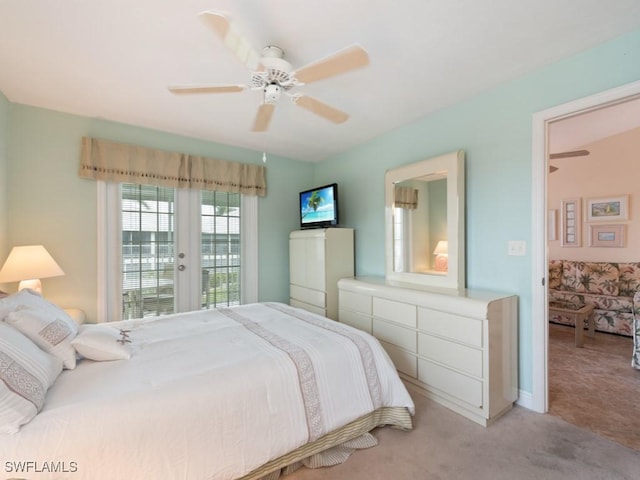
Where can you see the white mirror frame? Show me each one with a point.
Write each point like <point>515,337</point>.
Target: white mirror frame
<point>453,164</point>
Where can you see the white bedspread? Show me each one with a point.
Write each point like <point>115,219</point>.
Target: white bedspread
<point>205,395</point>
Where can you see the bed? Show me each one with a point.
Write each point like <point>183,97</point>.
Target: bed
<point>234,393</point>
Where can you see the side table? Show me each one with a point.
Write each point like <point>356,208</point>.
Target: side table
<point>579,313</point>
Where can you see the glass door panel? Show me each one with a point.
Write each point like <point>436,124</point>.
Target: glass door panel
<point>148,250</point>
<point>220,249</point>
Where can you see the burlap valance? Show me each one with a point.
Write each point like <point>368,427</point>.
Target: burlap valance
<point>118,162</point>
<point>406,197</point>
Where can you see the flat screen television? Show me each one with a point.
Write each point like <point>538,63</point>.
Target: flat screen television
<point>319,207</point>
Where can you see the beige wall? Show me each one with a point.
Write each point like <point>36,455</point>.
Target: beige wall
<point>4,115</point>
<point>611,169</point>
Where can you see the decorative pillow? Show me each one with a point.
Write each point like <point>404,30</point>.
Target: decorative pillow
<point>48,329</point>
<point>555,274</point>
<point>101,343</point>
<point>629,279</point>
<point>29,298</point>
<point>595,277</point>
<point>26,373</point>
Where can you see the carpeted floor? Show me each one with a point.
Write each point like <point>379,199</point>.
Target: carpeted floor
<point>522,445</point>
<point>595,387</point>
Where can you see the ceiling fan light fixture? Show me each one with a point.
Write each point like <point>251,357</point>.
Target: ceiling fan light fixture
<point>272,93</point>
<point>272,51</point>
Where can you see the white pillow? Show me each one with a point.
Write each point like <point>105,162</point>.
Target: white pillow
<point>26,373</point>
<point>29,298</point>
<point>101,343</point>
<point>48,329</point>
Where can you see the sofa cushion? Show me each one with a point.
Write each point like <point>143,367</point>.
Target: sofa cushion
<point>555,274</point>
<point>590,277</point>
<point>629,282</point>
<point>599,302</point>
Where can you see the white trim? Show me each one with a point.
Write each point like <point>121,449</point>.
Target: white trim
<point>525,400</point>
<point>249,239</point>
<point>188,226</point>
<point>540,325</point>
<point>109,239</point>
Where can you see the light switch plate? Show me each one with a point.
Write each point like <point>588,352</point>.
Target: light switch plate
<point>517,248</point>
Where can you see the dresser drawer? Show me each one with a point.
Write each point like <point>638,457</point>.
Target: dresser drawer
<point>355,301</point>
<point>461,329</point>
<point>395,334</point>
<point>356,320</point>
<point>308,295</point>
<point>460,357</point>
<point>308,307</point>
<point>404,361</point>
<point>397,312</point>
<point>459,386</point>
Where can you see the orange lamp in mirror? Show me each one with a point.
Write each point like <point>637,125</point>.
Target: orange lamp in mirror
<point>442,256</point>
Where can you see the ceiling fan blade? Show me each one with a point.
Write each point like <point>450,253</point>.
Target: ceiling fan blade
<point>263,117</point>
<point>348,59</point>
<point>232,38</point>
<point>322,109</point>
<point>574,153</point>
<point>182,89</point>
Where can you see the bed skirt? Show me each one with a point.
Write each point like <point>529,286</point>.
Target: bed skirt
<point>397,417</point>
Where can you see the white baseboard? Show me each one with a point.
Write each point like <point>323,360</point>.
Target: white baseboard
<point>525,399</point>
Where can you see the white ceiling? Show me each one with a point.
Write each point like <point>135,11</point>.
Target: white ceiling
<point>588,127</point>
<point>113,59</point>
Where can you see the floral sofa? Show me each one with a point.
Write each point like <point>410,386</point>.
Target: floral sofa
<point>612,288</point>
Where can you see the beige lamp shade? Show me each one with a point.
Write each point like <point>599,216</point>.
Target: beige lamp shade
<point>442,248</point>
<point>27,265</point>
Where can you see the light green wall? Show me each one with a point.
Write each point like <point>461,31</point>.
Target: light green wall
<point>48,203</point>
<point>495,130</point>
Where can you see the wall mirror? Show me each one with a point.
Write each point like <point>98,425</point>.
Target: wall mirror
<point>424,216</point>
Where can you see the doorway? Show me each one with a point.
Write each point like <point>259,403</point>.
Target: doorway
<point>175,250</point>
<point>540,165</point>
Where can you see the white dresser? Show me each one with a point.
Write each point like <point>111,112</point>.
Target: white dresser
<point>459,348</point>
<point>318,258</point>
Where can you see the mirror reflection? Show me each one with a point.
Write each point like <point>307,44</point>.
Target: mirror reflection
<point>420,225</point>
<point>425,222</point>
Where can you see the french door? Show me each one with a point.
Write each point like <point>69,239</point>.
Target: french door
<point>173,250</point>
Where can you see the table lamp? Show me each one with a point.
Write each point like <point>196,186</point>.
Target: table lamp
<point>27,265</point>
<point>442,256</point>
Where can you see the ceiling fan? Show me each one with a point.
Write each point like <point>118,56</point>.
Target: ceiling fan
<point>568,154</point>
<point>274,76</point>
<point>572,153</point>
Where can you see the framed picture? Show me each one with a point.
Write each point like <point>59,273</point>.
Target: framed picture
<point>552,225</point>
<point>606,235</point>
<point>608,209</point>
<point>571,226</point>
